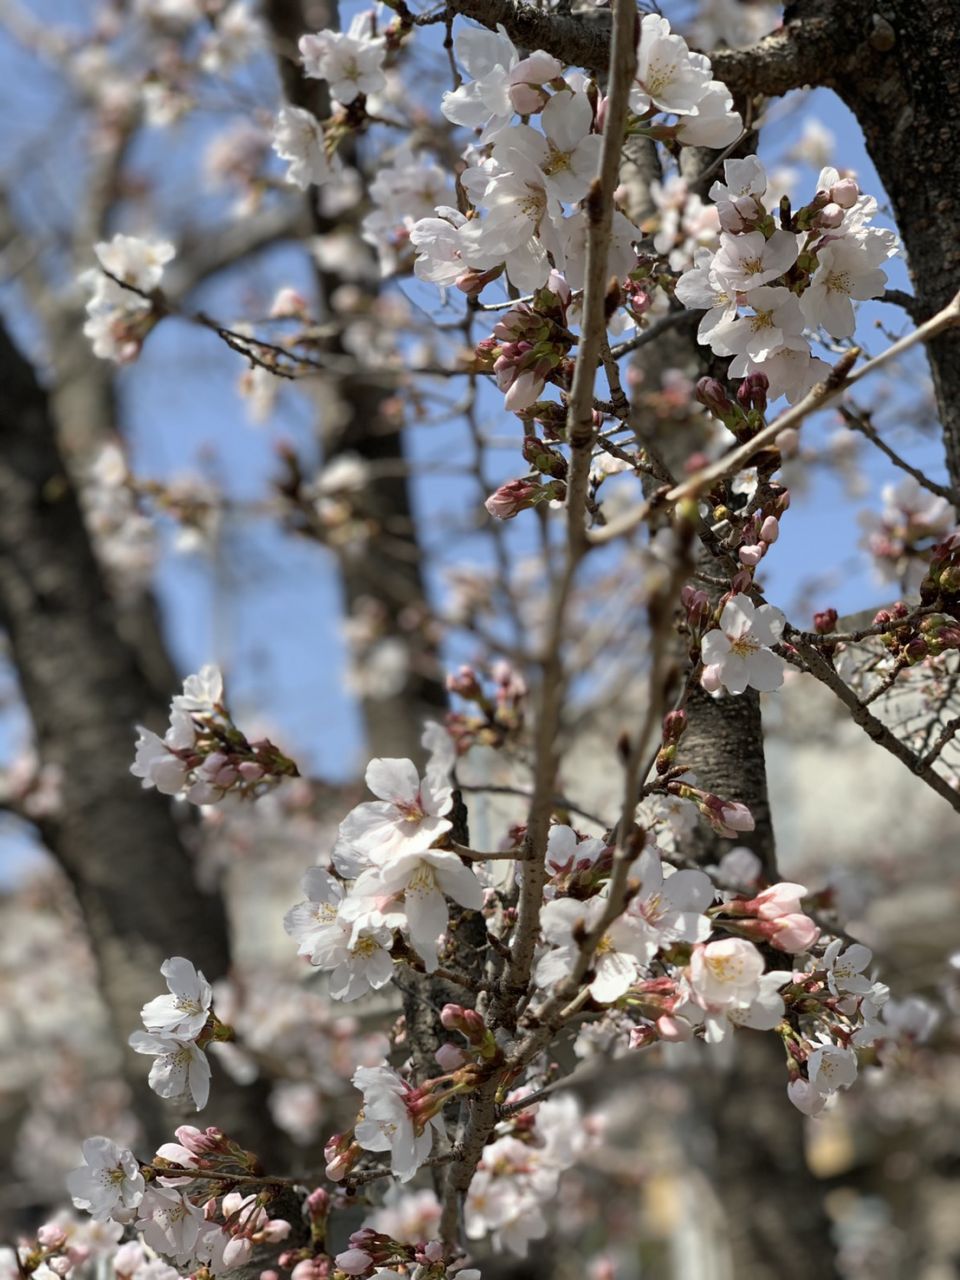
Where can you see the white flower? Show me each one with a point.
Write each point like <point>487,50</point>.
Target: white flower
<point>407,818</point>
<point>700,289</point>
<point>521,226</point>
<point>109,1183</point>
<point>201,692</point>
<point>423,878</point>
<point>746,261</point>
<point>668,76</point>
<point>847,270</point>
<point>439,251</point>
<point>181,1068</point>
<point>617,960</point>
<point>157,766</point>
<point>739,199</point>
<point>501,84</point>
<point>135,261</point>
<point>830,1068</point>
<point>170,1223</point>
<point>569,154</point>
<point>806,1097</point>
<point>670,909</point>
<point>737,656</point>
<point>776,318</point>
<point>713,122</point>
<point>791,371</point>
<point>845,972</point>
<point>621,255</point>
<point>358,964</point>
<point>725,972</point>
<point>350,62</point>
<point>388,1123</point>
<point>236,37</point>
<point>566,852</point>
<point>183,1013</point>
<point>912,1018</point>
<point>487,57</point>
<point>298,138</point>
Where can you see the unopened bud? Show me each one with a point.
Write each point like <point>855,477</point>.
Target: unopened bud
<point>713,395</point>
<point>825,621</point>
<point>752,392</point>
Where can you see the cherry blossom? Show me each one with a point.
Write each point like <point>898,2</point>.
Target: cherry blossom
<point>109,1184</point>
<point>408,816</point>
<point>390,1121</point>
<point>618,958</point>
<point>183,1013</point>
<point>845,971</point>
<point>737,655</point>
<point>669,76</point>
<point>670,908</point>
<point>350,61</point>
<point>170,1223</point>
<point>567,153</point>
<point>359,961</point>
<point>422,878</point>
<point>847,270</point>
<point>298,138</point>
<point>180,1069</point>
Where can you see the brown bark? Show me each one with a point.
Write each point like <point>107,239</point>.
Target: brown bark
<point>86,689</point>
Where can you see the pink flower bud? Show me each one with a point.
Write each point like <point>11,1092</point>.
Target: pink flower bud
<point>511,498</point>
<point>770,530</point>
<point>60,1266</point>
<point>318,1204</point>
<point>736,816</point>
<point>250,771</point>
<point>845,193</point>
<point>825,621</point>
<point>433,1251</point>
<point>354,1262</point>
<point>752,555</point>
<point>449,1057</point>
<point>51,1235</point>
<point>779,900</point>
<point>794,933</point>
<point>307,1269</point>
<point>830,216</point>
<point>713,395</point>
<point>287,304</point>
<point>752,392</point>
<point>673,1029</point>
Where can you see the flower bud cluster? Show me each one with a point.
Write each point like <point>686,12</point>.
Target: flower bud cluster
<point>203,756</point>
<point>528,344</point>
<point>497,717</point>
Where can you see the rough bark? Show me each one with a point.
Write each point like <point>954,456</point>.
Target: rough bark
<point>758,1169</point>
<point>86,688</point>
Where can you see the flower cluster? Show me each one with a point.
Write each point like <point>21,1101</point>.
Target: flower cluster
<point>121,310</point>
<point>527,184</point>
<point>178,1026</point>
<point>176,1214</point>
<point>388,874</point>
<point>768,281</point>
<point>203,756</point>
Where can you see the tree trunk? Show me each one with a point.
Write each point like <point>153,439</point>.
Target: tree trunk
<point>86,689</point>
